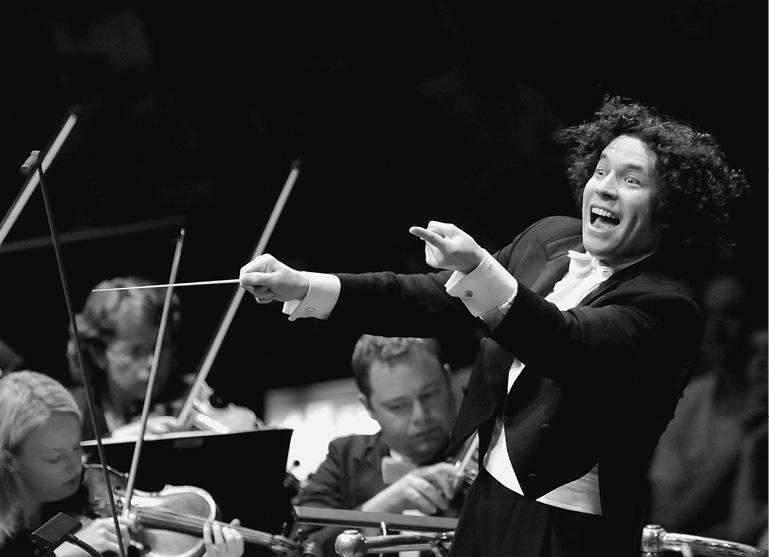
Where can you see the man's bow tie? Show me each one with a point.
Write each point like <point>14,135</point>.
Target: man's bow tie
<point>582,264</point>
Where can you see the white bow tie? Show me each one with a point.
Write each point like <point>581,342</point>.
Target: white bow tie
<point>582,264</point>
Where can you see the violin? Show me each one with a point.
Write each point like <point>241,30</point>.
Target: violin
<point>201,408</point>
<point>170,521</point>
<point>183,511</point>
<point>212,413</point>
<point>209,412</point>
<point>197,410</point>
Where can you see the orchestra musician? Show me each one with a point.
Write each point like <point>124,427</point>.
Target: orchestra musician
<point>118,332</point>
<point>405,385</point>
<point>41,473</point>
<point>590,325</point>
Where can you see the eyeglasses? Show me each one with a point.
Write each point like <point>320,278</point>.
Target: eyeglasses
<point>126,354</point>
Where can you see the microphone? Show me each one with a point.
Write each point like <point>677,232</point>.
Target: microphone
<point>57,531</point>
<point>29,165</point>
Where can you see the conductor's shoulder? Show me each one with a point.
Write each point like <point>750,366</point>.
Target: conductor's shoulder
<point>556,227</point>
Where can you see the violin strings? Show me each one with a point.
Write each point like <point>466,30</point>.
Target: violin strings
<point>175,518</point>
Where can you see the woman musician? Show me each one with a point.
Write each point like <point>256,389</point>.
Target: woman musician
<point>41,473</point>
<point>118,332</point>
<point>118,329</point>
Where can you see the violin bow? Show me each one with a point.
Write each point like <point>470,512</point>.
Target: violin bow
<point>186,410</point>
<point>276,210</point>
<point>153,373</point>
<point>34,165</point>
<point>34,178</point>
<point>467,457</point>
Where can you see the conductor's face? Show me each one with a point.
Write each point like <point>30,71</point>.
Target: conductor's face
<point>620,220</point>
<point>413,402</point>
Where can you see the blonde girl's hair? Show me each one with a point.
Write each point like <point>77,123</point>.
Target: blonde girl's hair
<point>28,399</point>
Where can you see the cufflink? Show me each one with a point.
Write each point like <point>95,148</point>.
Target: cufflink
<point>468,293</point>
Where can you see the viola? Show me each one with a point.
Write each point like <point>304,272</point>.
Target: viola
<point>170,522</point>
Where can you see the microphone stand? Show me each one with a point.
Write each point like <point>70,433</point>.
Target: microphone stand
<point>28,170</point>
<point>31,165</point>
<point>58,530</point>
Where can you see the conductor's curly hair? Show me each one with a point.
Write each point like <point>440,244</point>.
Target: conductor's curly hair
<point>696,184</point>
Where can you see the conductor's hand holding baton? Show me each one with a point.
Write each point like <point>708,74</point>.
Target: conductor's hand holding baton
<point>270,280</point>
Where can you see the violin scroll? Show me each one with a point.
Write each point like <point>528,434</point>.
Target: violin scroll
<point>213,414</point>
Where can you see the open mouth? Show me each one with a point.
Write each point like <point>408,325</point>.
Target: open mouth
<point>603,219</point>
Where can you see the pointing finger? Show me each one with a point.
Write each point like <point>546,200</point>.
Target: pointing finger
<point>428,236</point>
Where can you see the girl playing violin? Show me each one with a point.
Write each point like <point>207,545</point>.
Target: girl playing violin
<point>41,473</point>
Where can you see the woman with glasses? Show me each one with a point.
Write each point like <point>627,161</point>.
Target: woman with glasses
<point>118,331</point>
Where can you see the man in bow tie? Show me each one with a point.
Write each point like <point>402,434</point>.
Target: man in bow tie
<point>581,368</point>
<point>406,386</point>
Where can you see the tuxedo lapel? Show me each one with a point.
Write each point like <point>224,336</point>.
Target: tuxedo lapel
<point>543,266</point>
<point>486,391</point>
<point>620,276</point>
<point>606,285</point>
<point>539,267</point>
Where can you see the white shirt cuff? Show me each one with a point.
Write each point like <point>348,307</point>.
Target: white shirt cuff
<point>487,287</point>
<point>320,299</point>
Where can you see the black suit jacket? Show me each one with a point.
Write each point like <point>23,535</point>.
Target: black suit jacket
<point>600,383</point>
<point>350,475</point>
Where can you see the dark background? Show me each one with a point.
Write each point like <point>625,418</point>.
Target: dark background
<point>401,113</point>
